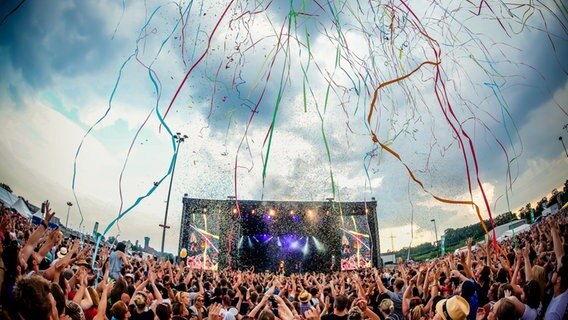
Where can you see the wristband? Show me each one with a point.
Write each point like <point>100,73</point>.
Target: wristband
<point>44,224</point>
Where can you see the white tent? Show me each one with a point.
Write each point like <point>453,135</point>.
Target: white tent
<point>7,198</point>
<point>518,230</point>
<point>22,208</point>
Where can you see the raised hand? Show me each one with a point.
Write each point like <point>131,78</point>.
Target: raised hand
<point>361,303</point>
<point>48,213</point>
<point>109,286</point>
<point>283,310</point>
<point>480,314</point>
<point>312,314</point>
<point>526,250</point>
<point>55,237</point>
<point>215,312</point>
<point>455,274</point>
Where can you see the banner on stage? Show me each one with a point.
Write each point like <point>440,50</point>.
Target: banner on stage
<point>203,248</point>
<point>355,243</point>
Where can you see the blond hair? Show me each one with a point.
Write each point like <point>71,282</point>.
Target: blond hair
<point>417,312</point>
<point>94,296</point>
<point>387,306</point>
<point>140,300</point>
<point>539,275</point>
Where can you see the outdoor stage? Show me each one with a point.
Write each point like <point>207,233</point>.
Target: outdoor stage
<point>307,236</point>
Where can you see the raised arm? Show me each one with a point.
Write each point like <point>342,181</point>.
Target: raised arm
<point>284,311</point>
<point>469,245</point>
<point>379,281</point>
<point>259,306</point>
<point>406,300</point>
<point>239,295</point>
<point>200,283</point>
<point>528,267</point>
<point>101,310</point>
<point>517,267</point>
<point>558,247</point>
<point>466,266</point>
<point>34,239</point>
<point>332,286</point>
<point>427,280</point>
<point>100,286</point>
<point>157,293</point>
<point>402,269</point>
<point>369,314</point>
<point>83,298</point>
<point>53,239</point>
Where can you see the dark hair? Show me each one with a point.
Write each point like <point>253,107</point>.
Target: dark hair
<point>563,274</point>
<point>74,311</point>
<point>502,276</point>
<point>511,258</point>
<point>502,288</point>
<point>341,302</point>
<point>505,310</point>
<point>532,294</point>
<point>177,308</point>
<point>121,246</point>
<point>399,284</point>
<point>59,297</point>
<point>454,281</point>
<point>163,311</point>
<point>254,296</point>
<point>226,300</point>
<point>266,315</point>
<point>118,289</point>
<point>119,310</point>
<point>435,301</point>
<point>30,297</point>
<point>415,292</point>
<point>485,273</point>
<point>494,289</point>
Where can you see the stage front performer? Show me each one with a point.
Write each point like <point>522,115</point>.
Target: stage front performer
<point>281,268</point>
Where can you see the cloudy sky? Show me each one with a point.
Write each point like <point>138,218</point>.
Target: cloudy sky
<point>276,98</point>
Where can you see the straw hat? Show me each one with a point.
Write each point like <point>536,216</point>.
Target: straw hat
<point>62,253</point>
<point>454,308</point>
<point>83,263</point>
<point>304,296</point>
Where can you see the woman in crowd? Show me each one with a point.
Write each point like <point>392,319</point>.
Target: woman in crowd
<point>118,260</point>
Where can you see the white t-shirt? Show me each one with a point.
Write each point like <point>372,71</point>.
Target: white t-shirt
<point>229,314</point>
<point>557,307</point>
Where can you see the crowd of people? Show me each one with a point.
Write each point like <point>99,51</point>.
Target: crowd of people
<point>45,276</point>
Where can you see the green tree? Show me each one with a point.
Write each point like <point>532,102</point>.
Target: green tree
<point>523,213</point>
